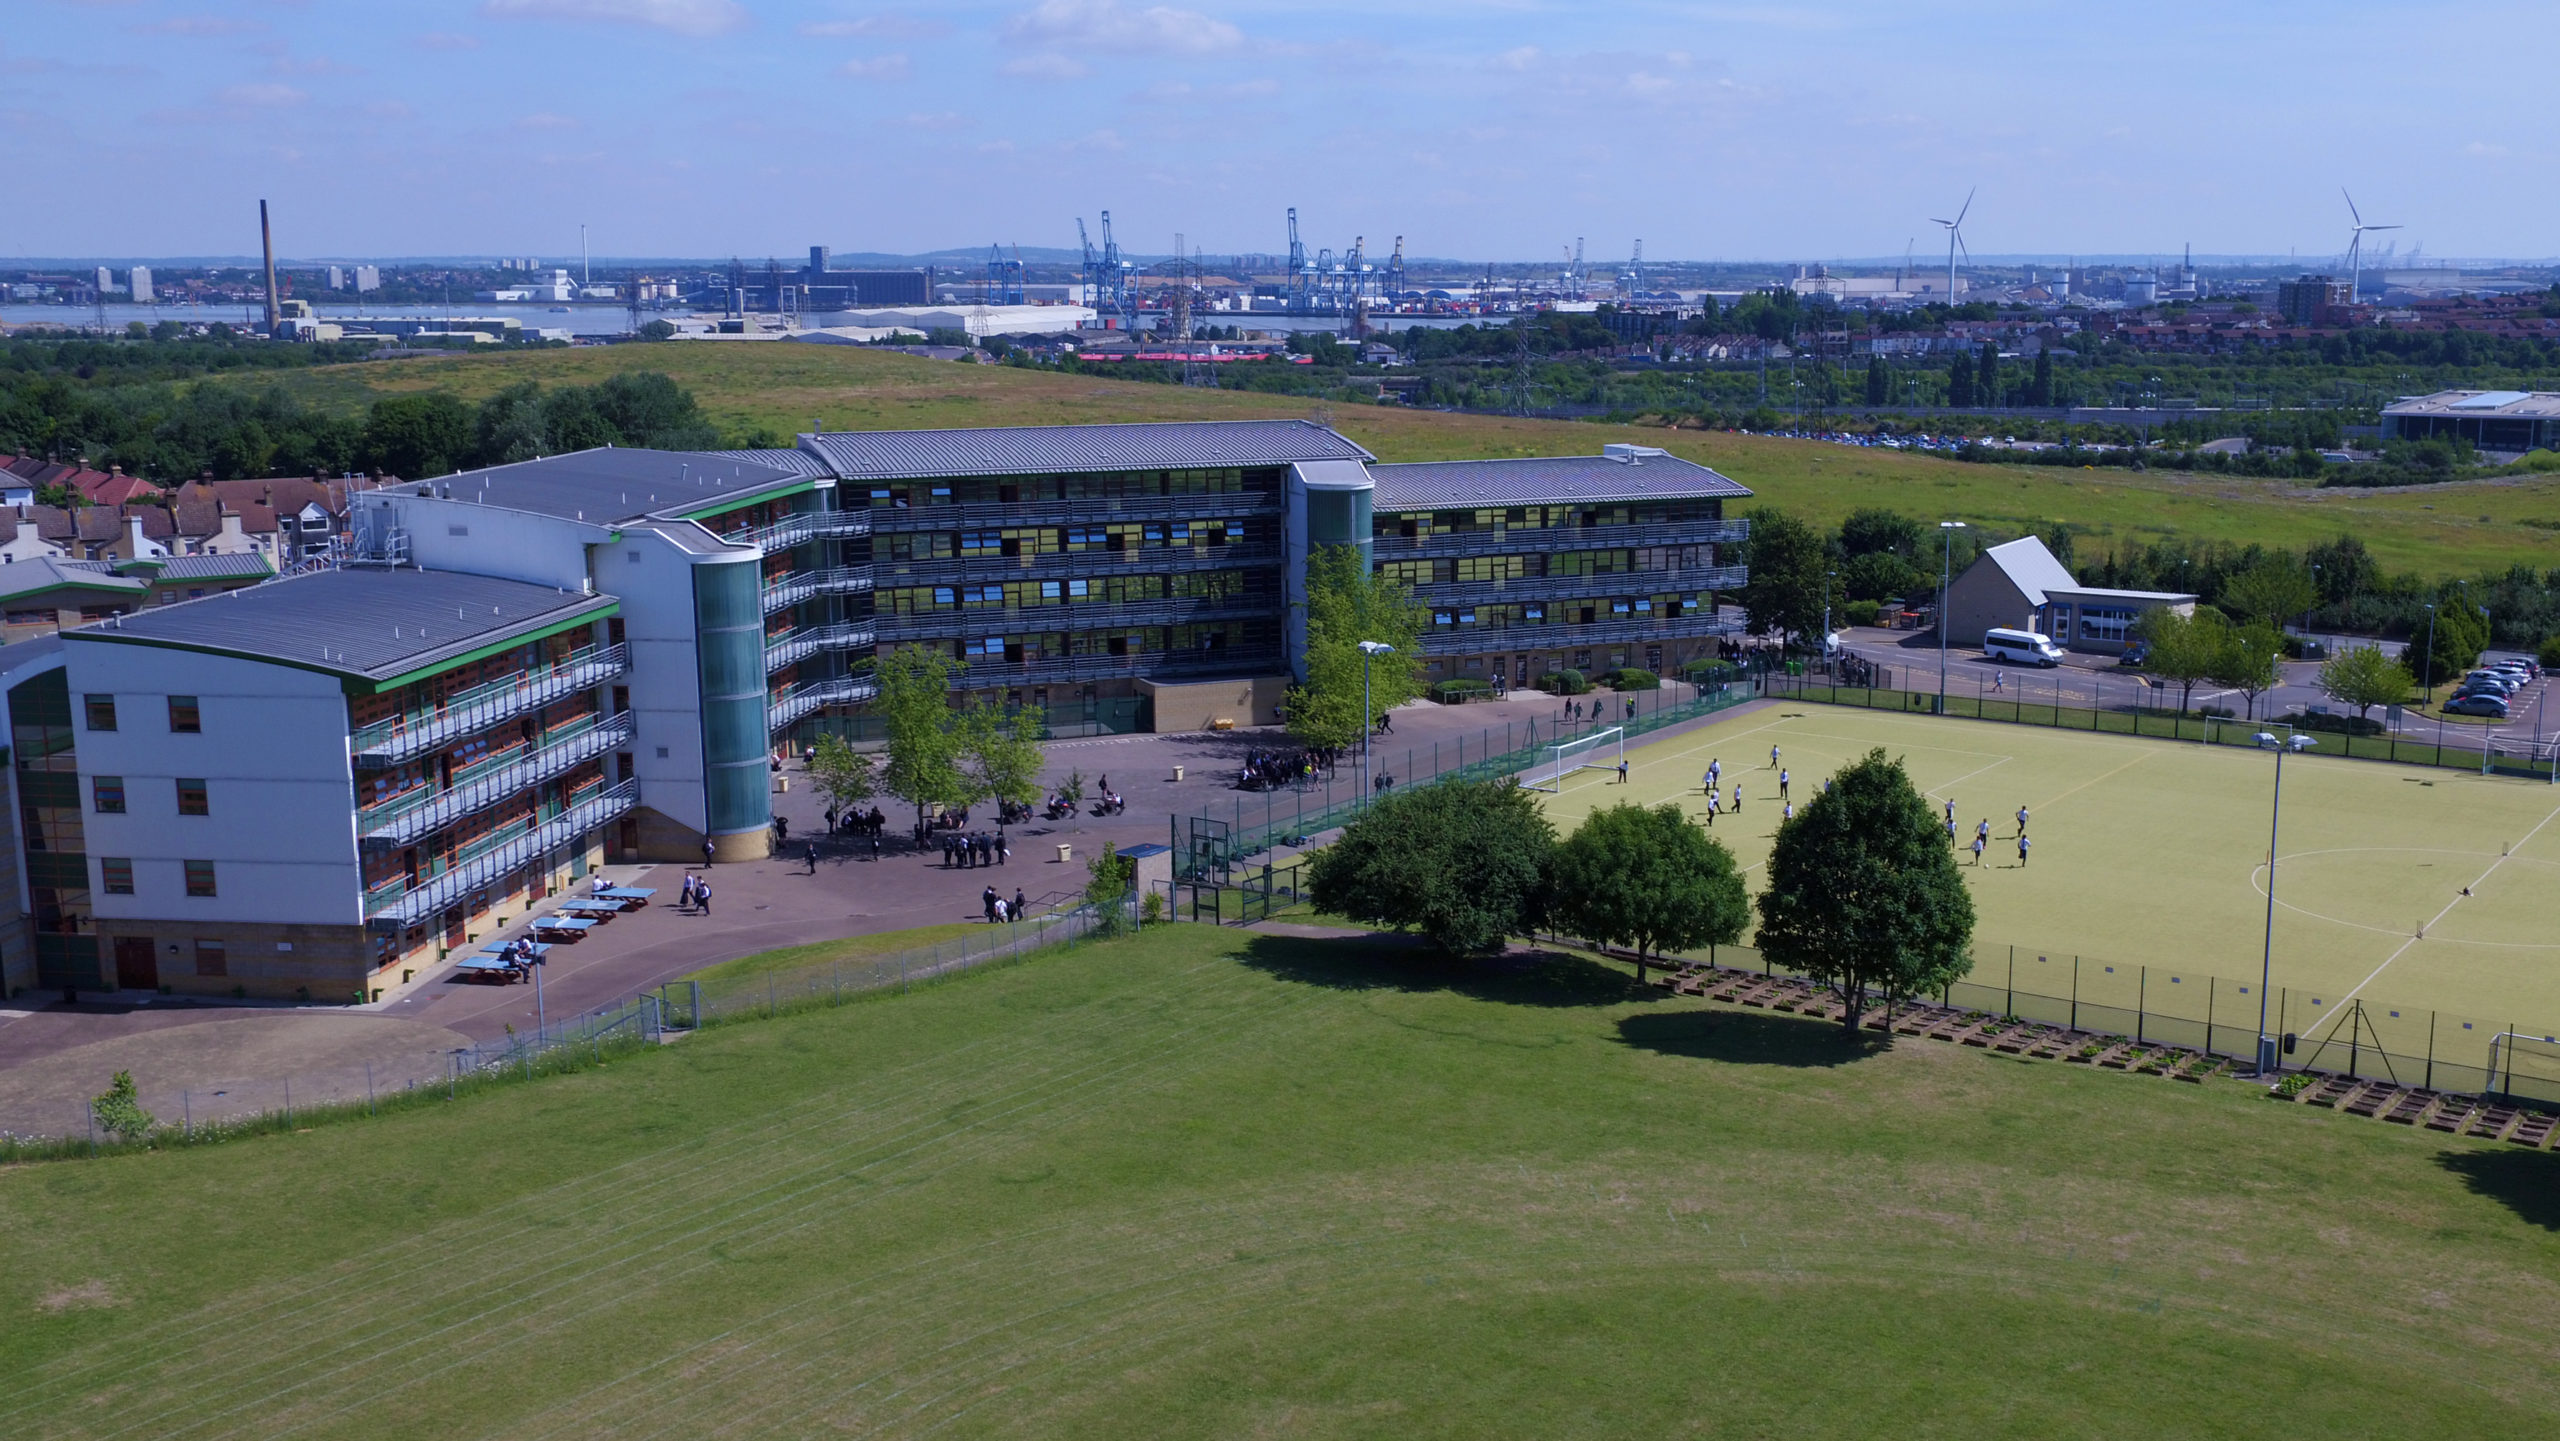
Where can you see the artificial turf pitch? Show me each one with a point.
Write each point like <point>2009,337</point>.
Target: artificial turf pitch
<point>1211,1183</point>
<point>2152,854</point>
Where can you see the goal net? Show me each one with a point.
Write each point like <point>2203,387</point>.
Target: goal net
<point>2526,1067</point>
<point>1602,750</point>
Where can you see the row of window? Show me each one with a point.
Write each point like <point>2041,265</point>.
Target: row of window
<point>1641,607</point>
<point>1118,538</point>
<point>185,716</point>
<point>1547,517</point>
<point>1024,594</point>
<point>115,876</point>
<point>106,793</point>
<point>1011,489</point>
<point>1144,640</point>
<point>1463,569</point>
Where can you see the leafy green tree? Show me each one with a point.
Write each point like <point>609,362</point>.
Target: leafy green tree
<point>1462,862</point>
<point>2269,592</point>
<point>2184,649</point>
<point>2040,390</point>
<point>2246,661</point>
<point>1787,559</point>
<point>842,774</point>
<point>1960,383</point>
<point>1864,892</point>
<point>2461,633</point>
<point>1879,381</point>
<point>922,756</point>
<point>1650,879</point>
<point>1348,603</point>
<point>1109,878</point>
<point>2363,677</point>
<point>1000,753</point>
<point>119,1112</point>
<point>418,436</point>
<point>2343,569</point>
<point>658,330</point>
<point>1873,528</point>
<point>1986,384</point>
<point>1879,574</point>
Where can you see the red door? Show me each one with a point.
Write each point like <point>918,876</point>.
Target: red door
<point>137,966</point>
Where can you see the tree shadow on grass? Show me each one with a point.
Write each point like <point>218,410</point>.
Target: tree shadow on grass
<point>1407,963</point>
<point>2525,1182</point>
<point>1748,1038</point>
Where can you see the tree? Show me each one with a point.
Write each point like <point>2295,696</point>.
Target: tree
<point>1987,385</point>
<point>1864,892</point>
<point>2364,677</point>
<point>658,330</point>
<point>119,1113</point>
<point>999,754</point>
<point>1787,559</point>
<point>1348,603</point>
<point>2461,633</point>
<point>2343,569</point>
<point>1650,879</point>
<point>842,774</point>
<point>922,756</point>
<point>1462,862</point>
<point>1109,878</point>
<point>1960,383</point>
<point>2246,661</point>
<point>1872,529</point>
<point>2040,390</point>
<point>418,436</point>
<point>1880,574</point>
<point>2269,592</point>
<point>2184,649</point>
<point>1879,383</point>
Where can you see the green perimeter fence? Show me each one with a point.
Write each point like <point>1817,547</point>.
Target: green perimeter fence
<point>2486,752</point>
<point>1216,845</point>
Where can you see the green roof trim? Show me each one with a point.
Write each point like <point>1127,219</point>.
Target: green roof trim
<point>741,499</point>
<point>583,618</point>
<point>350,681</point>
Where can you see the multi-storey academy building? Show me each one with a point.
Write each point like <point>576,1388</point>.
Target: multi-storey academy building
<point>320,785</point>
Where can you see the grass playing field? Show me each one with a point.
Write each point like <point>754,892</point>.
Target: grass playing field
<point>2148,853</point>
<point>1210,1183</point>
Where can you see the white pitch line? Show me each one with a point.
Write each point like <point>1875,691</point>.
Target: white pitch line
<point>2465,894</point>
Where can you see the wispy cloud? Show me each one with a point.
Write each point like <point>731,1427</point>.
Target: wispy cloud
<point>944,120</point>
<point>683,17</point>
<point>261,96</point>
<point>877,27</point>
<point>877,67</point>
<point>1045,67</point>
<point>546,120</point>
<point>1109,25</point>
<point>448,40</point>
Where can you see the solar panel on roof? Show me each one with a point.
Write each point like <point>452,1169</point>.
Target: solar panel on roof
<point>2491,400</point>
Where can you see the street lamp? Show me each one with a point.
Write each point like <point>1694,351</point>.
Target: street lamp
<point>1368,717</point>
<point>1826,614</point>
<point>2267,1060</point>
<point>2427,661</point>
<point>1946,564</point>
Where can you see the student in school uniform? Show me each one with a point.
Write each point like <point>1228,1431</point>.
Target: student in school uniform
<point>2022,849</point>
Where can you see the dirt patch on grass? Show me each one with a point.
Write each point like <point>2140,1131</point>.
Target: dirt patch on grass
<point>93,1295</point>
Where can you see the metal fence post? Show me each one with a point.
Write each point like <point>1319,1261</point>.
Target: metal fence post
<point>2075,993</point>
<point>2431,1050</point>
<point>2141,1001</point>
<point>2012,1003</point>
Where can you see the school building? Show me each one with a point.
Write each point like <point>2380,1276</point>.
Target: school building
<point>2021,586</point>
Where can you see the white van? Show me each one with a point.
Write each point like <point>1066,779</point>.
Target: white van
<point>2021,647</point>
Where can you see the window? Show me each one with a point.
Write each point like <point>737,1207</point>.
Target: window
<point>213,958</point>
<point>102,712</point>
<point>192,800</point>
<point>107,794</point>
<point>115,875</point>
<point>200,878</point>
<point>184,718</point>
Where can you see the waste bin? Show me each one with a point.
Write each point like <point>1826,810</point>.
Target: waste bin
<point>1066,853</point>
<point>1177,773</point>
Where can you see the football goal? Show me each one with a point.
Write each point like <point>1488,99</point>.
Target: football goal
<point>1602,750</point>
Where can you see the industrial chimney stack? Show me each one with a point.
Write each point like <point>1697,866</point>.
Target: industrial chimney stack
<point>267,239</point>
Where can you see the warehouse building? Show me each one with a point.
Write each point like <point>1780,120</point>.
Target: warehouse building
<point>2508,422</point>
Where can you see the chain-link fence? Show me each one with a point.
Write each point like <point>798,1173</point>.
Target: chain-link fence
<point>2113,705</point>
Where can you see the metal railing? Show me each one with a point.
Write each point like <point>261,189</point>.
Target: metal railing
<point>1559,590</point>
<point>811,696</point>
<point>475,788</point>
<point>405,903</point>
<point>405,737</point>
<point>1548,539</point>
<point>801,527</point>
<point>1054,670</point>
<point>1556,635</point>
<point>793,646</point>
<point>1152,560</point>
<point>794,586</point>
<point>1094,510</point>
<point>1086,615</point>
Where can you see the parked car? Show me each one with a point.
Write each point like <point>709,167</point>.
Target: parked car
<point>2494,707</point>
<point>2506,684</point>
<point>2136,655</point>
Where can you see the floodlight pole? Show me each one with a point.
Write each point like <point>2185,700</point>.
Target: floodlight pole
<point>1826,615</point>
<point>2267,1055</point>
<point>1946,564</point>
<point>1368,718</point>
<point>2427,658</point>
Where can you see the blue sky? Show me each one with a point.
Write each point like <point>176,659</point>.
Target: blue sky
<point>1494,128</point>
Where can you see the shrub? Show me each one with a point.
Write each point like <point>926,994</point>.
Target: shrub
<point>2353,725</point>
<point>1861,612</point>
<point>1709,672</point>
<point>1631,678</point>
<point>118,1113</point>
<point>2549,655</point>
<point>1458,692</point>
<point>1564,682</point>
<point>2221,712</point>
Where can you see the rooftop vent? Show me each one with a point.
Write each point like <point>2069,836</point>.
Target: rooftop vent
<point>1632,454</point>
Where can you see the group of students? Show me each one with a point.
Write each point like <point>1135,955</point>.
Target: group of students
<point>696,895</point>
<point>1982,833</point>
<point>999,909</point>
<point>858,821</point>
<point>976,849</point>
<point>1271,770</point>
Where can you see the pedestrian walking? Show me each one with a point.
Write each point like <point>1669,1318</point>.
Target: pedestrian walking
<point>1951,830</point>
<point>702,896</point>
<point>1789,815</point>
<point>2022,850</point>
<point>1004,849</point>
<point>1715,771</point>
<point>2022,820</point>
<point>1998,682</point>
<point>684,897</point>
<point>1737,798</point>
<point>875,845</point>
<point>706,853</point>
<point>1631,707</point>
<point>1782,783</point>
<point>1712,807</point>
<point>1977,850</point>
<point>1773,757</point>
<point>1982,833</point>
<point>987,902</point>
<point>813,858</point>
<point>1951,812</point>
<point>1020,906</point>
<point>1622,772</point>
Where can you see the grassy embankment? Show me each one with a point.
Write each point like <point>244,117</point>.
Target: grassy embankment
<point>1210,1183</point>
<point>2461,528</point>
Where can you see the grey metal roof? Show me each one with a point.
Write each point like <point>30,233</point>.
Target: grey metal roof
<point>214,567</point>
<point>797,462</point>
<point>611,484</point>
<point>2541,404</point>
<point>1057,449</point>
<point>27,577</point>
<point>371,624</point>
<point>1548,480</point>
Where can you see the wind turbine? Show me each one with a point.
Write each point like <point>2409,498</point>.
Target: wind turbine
<point>1955,242</point>
<point>2355,248</point>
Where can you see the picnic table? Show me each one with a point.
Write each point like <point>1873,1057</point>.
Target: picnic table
<point>631,897</point>
<point>595,909</point>
<point>565,928</point>
<point>494,966</point>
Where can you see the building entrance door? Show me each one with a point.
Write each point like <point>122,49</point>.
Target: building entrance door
<point>137,965</point>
